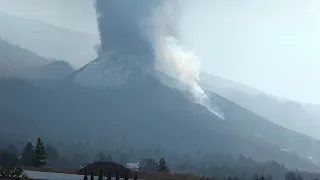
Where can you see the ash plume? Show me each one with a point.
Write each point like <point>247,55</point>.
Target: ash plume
<point>148,30</point>
<point>121,28</point>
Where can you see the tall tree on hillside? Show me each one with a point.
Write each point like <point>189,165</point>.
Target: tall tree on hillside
<point>100,174</point>
<point>92,176</point>
<point>8,159</point>
<point>269,177</point>
<point>162,166</point>
<point>255,176</point>
<point>53,156</point>
<point>123,160</point>
<point>109,175</point>
<point>290,176</point>
<point>135,176</point>
<point>101,157</point>
<point>39,156</point>
<point>148,165</point>
<point>13,149</point>
<point>109,158</point>
<point>299,177</point>
<point>27,154</point>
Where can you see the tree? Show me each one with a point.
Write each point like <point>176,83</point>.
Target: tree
<point>101,157</point>
<point>92,176</point>
<point>85,174</point>
<point>100,175</point>
<point>123,160</point>
<point>39,156</point>
<point>8,159</point>
<point>52,153</point>
<point>269,177</point>
<point>12,149</point>
<point>135,177</point>
<point>126,175</point>
<point>299,177</point>
<point>148,165</point>
<point>162,166</point>
<point>290,176</point>
<point>109,158</point>
<point>117,175</point>
<point>27,154</point>
<point>255,176</point>
<point>109,175</point>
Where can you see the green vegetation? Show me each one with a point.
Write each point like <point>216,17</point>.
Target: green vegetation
<point>218,166</point>
<point>162,166</point>
<point>39,155</point>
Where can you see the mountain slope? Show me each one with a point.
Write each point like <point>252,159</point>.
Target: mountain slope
<point>145,115</point>
<point>48,40</point>
<point>13,56</point>
<point>19,62</point>
<point>293,115</point>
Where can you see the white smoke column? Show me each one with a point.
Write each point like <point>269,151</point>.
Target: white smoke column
<point>172,58</point>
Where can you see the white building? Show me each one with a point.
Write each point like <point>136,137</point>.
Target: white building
<point>133,166</point>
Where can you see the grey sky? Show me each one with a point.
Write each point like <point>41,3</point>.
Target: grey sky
<point>271,45</point>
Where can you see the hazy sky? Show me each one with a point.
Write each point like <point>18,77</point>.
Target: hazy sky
<point>272,45</point>
<point>73,14</point>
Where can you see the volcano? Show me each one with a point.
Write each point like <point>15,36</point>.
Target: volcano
<point>121,100</point>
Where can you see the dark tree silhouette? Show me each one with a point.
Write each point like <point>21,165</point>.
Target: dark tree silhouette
<point>135,177</point>
<point>126,175</point>
<point>290,176</point>
<point>148,165</point>
<point>109,175</point>
<point>100,175</point>
<point>85,174</point>
<point>162,166</point>
<point>8,159</point>
<point>109,158</point>
<point>123,160</point>
<point>117,175</point>
<point>39,156</point>
<point>92,176</point>
<point>27,154</point>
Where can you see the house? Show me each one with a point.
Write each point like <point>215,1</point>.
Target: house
<point>133,166</point>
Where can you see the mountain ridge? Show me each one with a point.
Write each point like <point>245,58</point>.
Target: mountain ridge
<point>294,115</point>
<point>48,40</point>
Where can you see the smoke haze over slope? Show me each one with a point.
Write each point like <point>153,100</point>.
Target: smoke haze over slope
<point>147,29</point>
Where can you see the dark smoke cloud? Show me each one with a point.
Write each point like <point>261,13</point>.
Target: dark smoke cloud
<point>122,29</point>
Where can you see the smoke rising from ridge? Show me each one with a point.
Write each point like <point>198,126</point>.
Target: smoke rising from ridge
<point>171,57</point>
<point>148,30</point>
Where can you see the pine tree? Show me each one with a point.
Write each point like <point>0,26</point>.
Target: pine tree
<point>117,175</point>
<point>39,155</point>
<point>109,158</point>
<point>126,175</point>
<point>85,174</point>
<point>27,154</point>
<point>299,177</point>
<point>123,160</point>
<point>92,176</point>
<point>162,166</point>
<point>109,175</point>
<point>100,175</point>
<point>102,157</point>
<point>135,177</point>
